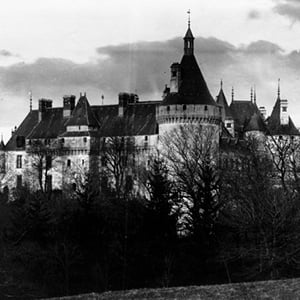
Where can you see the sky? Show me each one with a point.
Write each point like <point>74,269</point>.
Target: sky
<point>59,47</point>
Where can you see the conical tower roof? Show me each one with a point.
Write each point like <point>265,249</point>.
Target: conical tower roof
<point>221,100</point>
<point>82,114</point>
<point>192,88</point>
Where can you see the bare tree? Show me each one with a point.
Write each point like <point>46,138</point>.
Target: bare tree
<point>191,152</point>
<point>42,156</point>
<point>262,216</point>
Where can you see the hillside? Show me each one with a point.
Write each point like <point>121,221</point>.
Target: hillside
<point>277,289</point>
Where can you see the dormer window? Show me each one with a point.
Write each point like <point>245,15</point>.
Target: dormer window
<point>20,141</point>
<point>284,109</point>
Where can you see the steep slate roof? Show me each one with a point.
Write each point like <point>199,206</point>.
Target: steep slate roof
<point>138,119</point>
<point>28,124</point>
<point>51,125</point>
<point>189,34</point>
<point>82,114</point>
<point>221,100</point>
<point>242,112</point>
<point>274,126</point>
<point>193,88</point>
<point>256,123</point>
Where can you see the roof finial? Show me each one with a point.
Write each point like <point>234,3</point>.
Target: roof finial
<point>102,97</point>
<point>254,94</point>
<point>232,94</point>
<point>251,94</point>
<point>278,91</point>
<point>189,18</point>
<point>221,84</point>
<point>30,99</point>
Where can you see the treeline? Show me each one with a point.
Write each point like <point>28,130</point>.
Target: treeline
<point>185,220</point>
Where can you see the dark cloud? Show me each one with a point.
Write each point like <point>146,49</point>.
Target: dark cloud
<point>144,67</point>
<point>6,53</point>
<point>262,47</point>
<point>254,14</point>
<point>288,8</point>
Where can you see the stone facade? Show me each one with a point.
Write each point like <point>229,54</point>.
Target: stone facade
<point>65,142</point>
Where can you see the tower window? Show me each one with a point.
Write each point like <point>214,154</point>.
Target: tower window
<point>84,139</point>
<point>19,161</point>
<point>146,138</point>
<point>69,163</point>
<point>48,162</point>
<point>168,108</point>
<point>48,183</point>
<point>174,73</point>
<point>19,181</point>
<point>205,108</point>
<point>184,107</point>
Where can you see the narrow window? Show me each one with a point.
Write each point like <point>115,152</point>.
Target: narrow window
<point>19,181</point>
<point>146,138</point>
<point>20,141</point>
<point>184,107</point>
<point>69,163</point>
<point>84,139</point>
<point>82,162</point>
<point>19,161</point>
<point>48,162</point>
<point>284,109</point>
<point>49,183</point>
<point>205,108</point>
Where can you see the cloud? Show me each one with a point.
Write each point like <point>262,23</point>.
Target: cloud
<point>288,8</point>
<point>254,14</point>
<point>143,67</point>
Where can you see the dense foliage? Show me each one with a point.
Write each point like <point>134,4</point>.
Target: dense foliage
<point>195,222</point>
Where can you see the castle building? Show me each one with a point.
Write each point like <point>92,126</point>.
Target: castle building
<point>70,137</point>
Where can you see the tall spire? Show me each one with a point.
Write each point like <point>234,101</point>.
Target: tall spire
<point>232,94</point>
<point>251,94</point>
<point>221,84</point>
<point>278,89</point>
<point>30,100</point>
<point>254,96</point>
<point>189,18</point>
<point>189,38</point>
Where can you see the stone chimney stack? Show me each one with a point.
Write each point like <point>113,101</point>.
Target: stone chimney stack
<point>263,112</point>
<point>69,105</point>
<point>284,117</point>
<point>175,78</point>
<point>44,104</point>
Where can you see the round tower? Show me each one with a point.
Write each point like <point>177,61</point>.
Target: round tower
<point>188,100</point>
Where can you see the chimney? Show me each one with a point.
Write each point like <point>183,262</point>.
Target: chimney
<point>263,112</point>
<point>44,104</point>
<point>284,117</point>
<point>175,78</point>
<point>123,100</point>
<point>69,105</point>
